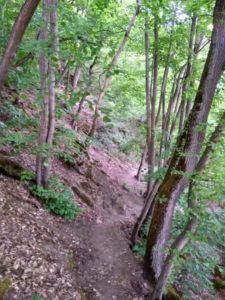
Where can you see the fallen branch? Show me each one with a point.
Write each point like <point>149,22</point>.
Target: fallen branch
<point>81,194</point>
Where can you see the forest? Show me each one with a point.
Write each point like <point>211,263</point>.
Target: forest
<point>112,134</point>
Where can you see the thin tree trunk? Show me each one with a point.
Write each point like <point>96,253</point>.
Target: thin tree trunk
<point>67,82</point>
<point>48,90</point>
<point>148,98</point>
<point>173,98</point>
<point>145,210</point>
<point>188,146</point>
<point>151,141</point>
<point>168,120</point>
<point>165,75</point>
<point>64,72</point>
<point>143,158</point>
<point>55,31</point>
<point>188,71</point>
<point>111,66</point>
<point>76,77</point>
<point>16,36</point>
<point>162,101</point>
<point>181,241</point>
<point>86,92</point>
<point>197,49</point>
<point>43,65</point>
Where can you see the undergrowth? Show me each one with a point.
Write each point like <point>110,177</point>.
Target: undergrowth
<point>57,198</point>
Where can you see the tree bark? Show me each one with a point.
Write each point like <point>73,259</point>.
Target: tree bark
<point>16,35</point>
<point>76,77</point>
<point>47,72</point>
<point>86,92</point>
<point>43,65</point>
<point>111,66</point>
<point>148,101</point>
<point>188,146</point>
<point>143,158</point>
<point>162,100</point>
<point>188,71</point>
<point>181,241</point>
<point>197,49</point>
<point>151,122</point>
<point>147,207</point>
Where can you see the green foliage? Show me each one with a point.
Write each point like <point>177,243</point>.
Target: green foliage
<point>156,175</point>
<point>57,198</point>
<point>194,267</point>
<point>140,247</point>
<point>66,157</point>
<point>27,176</point>
<point>16,117</point>
<point>36,297</point>
<point>18,140</point>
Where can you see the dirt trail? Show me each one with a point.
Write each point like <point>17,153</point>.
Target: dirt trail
<point>106,267</point>
<point>85,259</point>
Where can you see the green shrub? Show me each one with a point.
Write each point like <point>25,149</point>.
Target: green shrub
<point>66,157</point>
<point>57,198</point>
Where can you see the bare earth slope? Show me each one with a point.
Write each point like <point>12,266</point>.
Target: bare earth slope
<point>88,258</point>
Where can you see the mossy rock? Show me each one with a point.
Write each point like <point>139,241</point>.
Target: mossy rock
<point>172,295</point>
<point>5,285</point>
<point>10,167</point>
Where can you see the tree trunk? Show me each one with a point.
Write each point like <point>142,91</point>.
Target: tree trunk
<point>147,207</point>
<point>165,75</point>
<point>188,71</point>
<point>47,72</point>
<point>63,73</point>
<point>148,99</point>
<point>86,92</point>
<point>76,78</point>
<point>143,158</point>
<point>55,31</point>
<point>182,240</point>
<point>162,100</point>
<point>111,66</point>
<point>43,65</point>
<point>188,146</point>
<point>151,139</point>
<point>16,35</point>
<point>197,49</point>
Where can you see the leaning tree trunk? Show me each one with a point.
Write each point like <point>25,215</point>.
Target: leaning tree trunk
<point>188,146</point>
<point>145,210</point>
<point>143,158</point>
<point>181,241</point>
<point>85,93</point>
<point>111,66</point>
<point>16,35</point>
